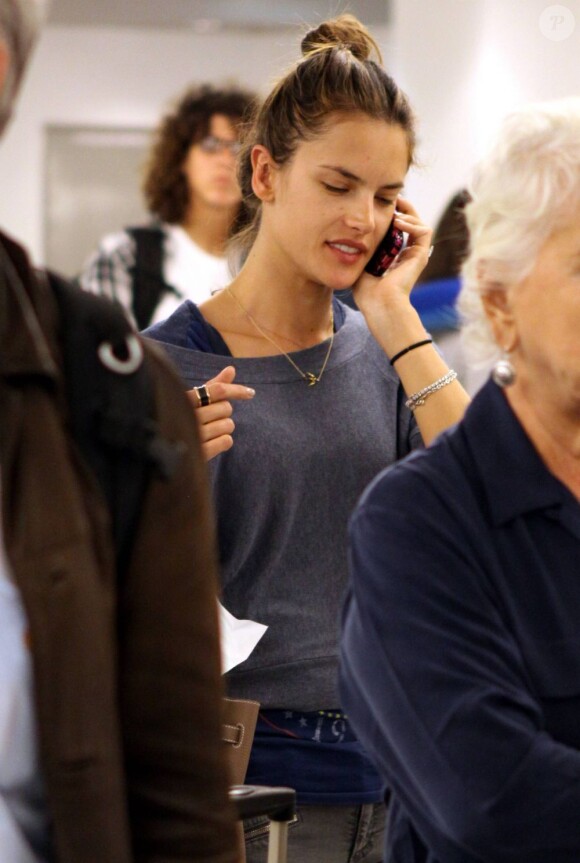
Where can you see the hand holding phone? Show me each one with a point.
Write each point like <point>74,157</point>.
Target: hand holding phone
<point>386,252</point>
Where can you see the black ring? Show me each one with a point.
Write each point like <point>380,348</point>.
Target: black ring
<point>203,395</point>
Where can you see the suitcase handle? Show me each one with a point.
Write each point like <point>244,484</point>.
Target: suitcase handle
<point>278,803</point>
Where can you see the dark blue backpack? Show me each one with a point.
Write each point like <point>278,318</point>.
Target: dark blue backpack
<point>110,402</point>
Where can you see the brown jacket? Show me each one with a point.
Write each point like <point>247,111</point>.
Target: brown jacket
<point>126,666</point>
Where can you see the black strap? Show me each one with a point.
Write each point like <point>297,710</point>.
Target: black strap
<point>147,273</point>
<point>111,414</point>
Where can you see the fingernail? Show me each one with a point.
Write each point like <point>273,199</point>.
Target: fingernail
<point>250,391</point>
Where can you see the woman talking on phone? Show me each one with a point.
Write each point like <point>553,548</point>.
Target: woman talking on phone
<point>325,398</point>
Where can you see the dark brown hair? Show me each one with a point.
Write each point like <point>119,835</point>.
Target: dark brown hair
<point>165,186</point>
<point>450,240</point>
<point>335,74</point>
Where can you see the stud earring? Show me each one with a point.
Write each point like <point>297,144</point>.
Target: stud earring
<point>503,373</point>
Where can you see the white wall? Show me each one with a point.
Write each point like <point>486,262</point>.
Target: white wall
<point>106,77</point>
<point>463,63</point>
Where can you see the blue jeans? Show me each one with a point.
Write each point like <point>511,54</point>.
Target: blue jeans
<point>325,834</point>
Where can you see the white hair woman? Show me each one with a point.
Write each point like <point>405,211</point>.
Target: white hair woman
<point>525,189</point>
<point>460,654</point>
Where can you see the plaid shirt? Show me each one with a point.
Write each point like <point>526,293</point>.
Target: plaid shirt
<point>108,270</point>
<point>192,273</point>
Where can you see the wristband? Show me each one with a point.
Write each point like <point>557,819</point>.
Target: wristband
<point>411,348</point>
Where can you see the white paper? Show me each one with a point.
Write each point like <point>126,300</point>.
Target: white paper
<point>238,638</point>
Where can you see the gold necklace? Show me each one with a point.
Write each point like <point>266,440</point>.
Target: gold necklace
<point>309,377</point>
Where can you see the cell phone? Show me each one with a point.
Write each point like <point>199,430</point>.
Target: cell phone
<point>386,252</point>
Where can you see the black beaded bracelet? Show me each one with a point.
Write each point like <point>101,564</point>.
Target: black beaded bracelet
<point>410,348</point>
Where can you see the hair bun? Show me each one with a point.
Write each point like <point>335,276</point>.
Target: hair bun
<point>346,31</point>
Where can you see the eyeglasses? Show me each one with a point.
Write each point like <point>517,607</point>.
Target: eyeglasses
<point>211,144</point>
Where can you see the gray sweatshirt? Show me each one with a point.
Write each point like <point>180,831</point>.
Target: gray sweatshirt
<point>283,494</point>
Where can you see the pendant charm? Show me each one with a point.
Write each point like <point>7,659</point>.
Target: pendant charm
<point>311,379</point>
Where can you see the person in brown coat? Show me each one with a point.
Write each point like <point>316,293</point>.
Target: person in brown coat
<point>110,687</point>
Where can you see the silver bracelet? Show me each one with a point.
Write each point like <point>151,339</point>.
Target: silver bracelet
<point>419,398</point>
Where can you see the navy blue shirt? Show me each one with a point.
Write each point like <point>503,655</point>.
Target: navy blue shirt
<point>461,646</point>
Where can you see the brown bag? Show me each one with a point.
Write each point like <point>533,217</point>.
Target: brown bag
<point>239,724</point>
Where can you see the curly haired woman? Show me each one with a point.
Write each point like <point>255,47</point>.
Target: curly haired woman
<point>191,190</point>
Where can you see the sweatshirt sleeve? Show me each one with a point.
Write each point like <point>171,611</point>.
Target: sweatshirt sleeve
<point>438,691</point>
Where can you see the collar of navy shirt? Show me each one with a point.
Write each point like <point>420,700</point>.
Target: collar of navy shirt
<point>514,478</point>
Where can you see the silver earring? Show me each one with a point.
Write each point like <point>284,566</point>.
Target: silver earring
<point>503,373</point>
